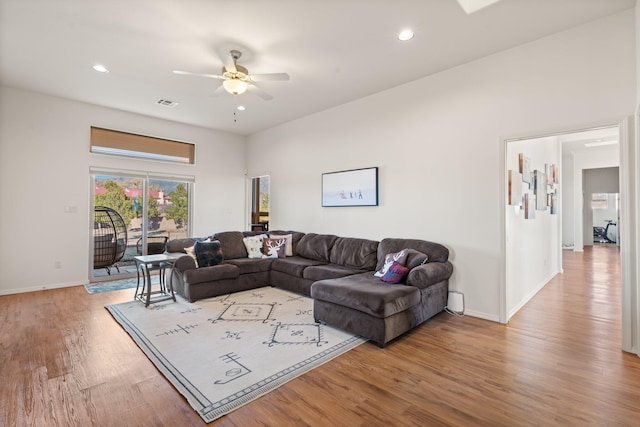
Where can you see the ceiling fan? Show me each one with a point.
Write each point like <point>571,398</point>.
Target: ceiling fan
<point>236,78</point>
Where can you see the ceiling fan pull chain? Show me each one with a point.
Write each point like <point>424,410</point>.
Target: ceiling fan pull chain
<point>235,108</point>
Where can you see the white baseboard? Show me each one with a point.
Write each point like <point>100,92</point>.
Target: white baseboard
<point>481,315</point>
<point>531,294</point>
<point>40,288</point>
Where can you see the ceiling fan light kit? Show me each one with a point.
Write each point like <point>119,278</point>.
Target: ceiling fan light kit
<point>235,86</point>
<point>236,78</point>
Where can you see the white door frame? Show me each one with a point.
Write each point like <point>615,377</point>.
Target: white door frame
<point>629,241</point>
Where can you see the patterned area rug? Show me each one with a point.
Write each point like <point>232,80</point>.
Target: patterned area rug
<point>224,352</point>
<point>116,285</point>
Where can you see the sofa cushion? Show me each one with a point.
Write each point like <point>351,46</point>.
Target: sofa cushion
<point>355,253</point>
<point>316,246</point>
<point>209,274</point>
<point>232,244</point>
<point>248,265</point>
<point>366,293</point>
<point>435,251</point>
<point>179,245</point>
<point>328,271</point>
<point>293,266</point>
<point>208,253</point>
<point>395,274</point>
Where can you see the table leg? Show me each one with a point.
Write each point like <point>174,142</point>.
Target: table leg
<point>163,287</point>
<point>148,287</point>
<point>135,296</point>
<point>173,295</point>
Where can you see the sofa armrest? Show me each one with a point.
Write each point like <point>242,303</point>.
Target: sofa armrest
<point>429,274</point>
<point>184,263</point>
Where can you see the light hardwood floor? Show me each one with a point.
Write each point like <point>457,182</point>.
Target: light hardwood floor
<point>65,361</point>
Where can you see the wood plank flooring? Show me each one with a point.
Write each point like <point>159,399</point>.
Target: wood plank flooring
<point>65,362</point>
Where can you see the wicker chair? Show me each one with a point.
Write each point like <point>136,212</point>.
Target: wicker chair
<point>109,238</point>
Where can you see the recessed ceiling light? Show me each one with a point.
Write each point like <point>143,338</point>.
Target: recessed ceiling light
<point>405,35</point>
<point>100,68</point>
<point>241,107</point>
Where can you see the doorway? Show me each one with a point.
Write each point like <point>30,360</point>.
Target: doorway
<point>260,190</point>
<point>573,170</point>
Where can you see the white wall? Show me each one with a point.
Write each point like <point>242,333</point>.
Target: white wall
<point>437,142</point>
<point>532,245</point>
<point>44,166</point>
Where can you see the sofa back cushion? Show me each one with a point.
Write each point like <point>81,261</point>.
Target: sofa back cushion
<point>179,245</point>
<point>232,244</point>
<point>355,253</point>
<point>435,251</point>
<point>316,246</point>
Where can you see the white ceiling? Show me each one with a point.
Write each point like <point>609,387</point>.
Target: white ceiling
<point>335,51</point>
<point>600,139</point>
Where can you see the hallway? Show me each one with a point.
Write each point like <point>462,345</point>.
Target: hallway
<point>582,304</point>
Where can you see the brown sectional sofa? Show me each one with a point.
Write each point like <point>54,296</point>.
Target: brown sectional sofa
<point>337,272</point>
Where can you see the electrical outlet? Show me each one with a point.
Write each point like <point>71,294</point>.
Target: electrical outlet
<point>57,265</point>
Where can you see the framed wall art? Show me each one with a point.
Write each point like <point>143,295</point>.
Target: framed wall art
<point>356,187</point>
<point>514,191</point>
<point>524,167</point>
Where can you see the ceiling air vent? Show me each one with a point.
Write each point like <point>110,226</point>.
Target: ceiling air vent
<point>166,103</point>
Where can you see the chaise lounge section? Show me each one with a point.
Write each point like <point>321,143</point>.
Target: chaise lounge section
<point>365,305</point>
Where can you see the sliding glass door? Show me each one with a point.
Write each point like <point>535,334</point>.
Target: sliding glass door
<point>153,209</point>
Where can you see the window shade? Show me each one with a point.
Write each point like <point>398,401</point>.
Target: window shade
<point>106,141</point>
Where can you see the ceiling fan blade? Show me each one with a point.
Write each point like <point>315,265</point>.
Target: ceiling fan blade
<point>229,62</point>
<point>187,73</point>
<point>262,94</point>
<point>219,91</point>
<point>269,76</point>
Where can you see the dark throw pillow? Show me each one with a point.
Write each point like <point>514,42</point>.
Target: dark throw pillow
<point>395,273</point>
<point>208,253</point>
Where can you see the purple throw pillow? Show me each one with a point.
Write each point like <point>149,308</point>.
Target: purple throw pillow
<point>395,273</point>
